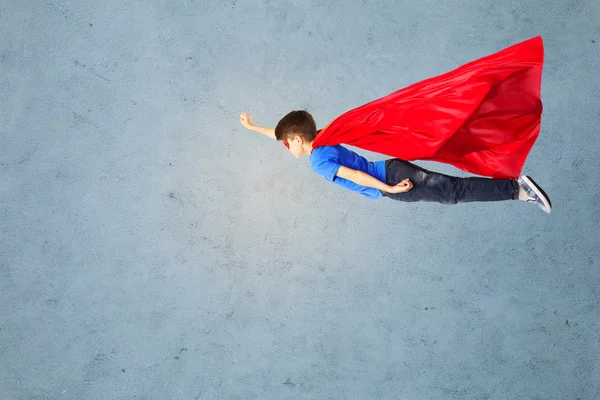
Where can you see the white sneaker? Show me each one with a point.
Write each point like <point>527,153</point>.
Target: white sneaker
<point>538,196</point>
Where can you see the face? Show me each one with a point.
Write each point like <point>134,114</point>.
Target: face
<point>296,146</point>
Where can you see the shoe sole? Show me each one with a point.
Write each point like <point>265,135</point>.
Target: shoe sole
<point>539,192</point>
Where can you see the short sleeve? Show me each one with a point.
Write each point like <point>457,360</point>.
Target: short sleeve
<point>327,168</point>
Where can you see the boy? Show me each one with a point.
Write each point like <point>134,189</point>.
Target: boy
<point>393,178</point>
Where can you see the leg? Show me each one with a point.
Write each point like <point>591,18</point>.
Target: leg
<point>484,189</point>
<point>436,187</point>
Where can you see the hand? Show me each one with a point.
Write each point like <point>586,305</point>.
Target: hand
<point>402,187</point>
<point>246,120</point>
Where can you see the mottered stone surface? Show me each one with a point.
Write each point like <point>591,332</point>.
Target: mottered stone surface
<point>151,248</point>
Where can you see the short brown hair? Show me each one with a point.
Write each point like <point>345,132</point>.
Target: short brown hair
<point>299,123</point>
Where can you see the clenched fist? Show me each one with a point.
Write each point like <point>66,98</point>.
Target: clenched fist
<point>402,187</point>
<point>246,120</point>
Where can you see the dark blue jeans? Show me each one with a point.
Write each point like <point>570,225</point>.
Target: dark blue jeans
<point>445,189</point>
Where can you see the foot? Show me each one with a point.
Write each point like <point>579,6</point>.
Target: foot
<point>535,193</point>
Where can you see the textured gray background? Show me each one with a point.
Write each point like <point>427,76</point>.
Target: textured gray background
<point>152,248</point>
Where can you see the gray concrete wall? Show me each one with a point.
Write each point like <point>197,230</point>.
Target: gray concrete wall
<point>150,248</point>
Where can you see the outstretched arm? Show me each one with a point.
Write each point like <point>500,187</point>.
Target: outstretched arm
<point>246,120</point>
<point>364,179</point>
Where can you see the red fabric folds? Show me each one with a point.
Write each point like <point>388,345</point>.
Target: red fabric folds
<point>482,117</point>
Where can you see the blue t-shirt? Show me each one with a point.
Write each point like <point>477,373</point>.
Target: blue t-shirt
<point>326,161</point>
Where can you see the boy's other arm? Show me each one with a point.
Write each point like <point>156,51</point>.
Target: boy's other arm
<point>364,179</point>
<point>246,121</point>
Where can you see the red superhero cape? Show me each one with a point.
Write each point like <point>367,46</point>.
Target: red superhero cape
<point>482,117</point>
